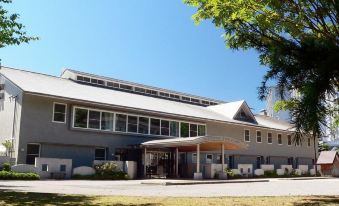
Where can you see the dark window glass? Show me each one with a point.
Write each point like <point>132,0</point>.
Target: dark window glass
<point>309,142</point>
<point>120,124</point>
<point>94,120</point>
<point>59,113</point>
<point>143,125</point>
<point>174,96</point>
<point>101,82</point>
<point>100,154</point>
<point>155,126</point>
<point>62,168</point>
<point>33,151</point>
<point>205,102</point>
<point>269,138</point>
<point>163,94</point>
<point>140,90</point>
<point>289,140</point>
<point>201,130</point>
<point>174,129</point>
<point>195,100</point>
<point>127,87</point>
<point>184,129</point>
<point>165,127</point>
<point>80,78</point>
<point>132,124</point>
<point>186,99</point>
<point>107,121</point>
<point>258,136</point>
<point>110,84</point>
<point>44,167</point>
<point>86,79</point>
<point>94,81</point>
<point>247,135</point>
<point>80,119</point>
<point>279,139</point>
<point>193,130</point>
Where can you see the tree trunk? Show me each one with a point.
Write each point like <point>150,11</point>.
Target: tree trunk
<point>315,154</point>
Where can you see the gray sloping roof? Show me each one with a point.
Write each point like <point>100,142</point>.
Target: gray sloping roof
<point>42,84</point>
<point>326,157</point>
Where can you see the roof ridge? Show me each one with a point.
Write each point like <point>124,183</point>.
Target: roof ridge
<point>28,71</point>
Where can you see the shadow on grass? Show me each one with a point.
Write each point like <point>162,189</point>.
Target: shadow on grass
<point>8,197</point>
<point>318,200</point>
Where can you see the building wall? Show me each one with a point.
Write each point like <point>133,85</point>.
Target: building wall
<point>59,140</point>
<point>7,110</point>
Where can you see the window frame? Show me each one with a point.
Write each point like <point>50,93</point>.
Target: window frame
<point>280,138</point>
<point>249,135</point>
<point>207,158</point>
<point>256,136</point>
<point>271,138</point>
<point>33,154</point>
<point>289,136</point>
<point>114,113</point>
<point>65,120</point>
<point>105,154</point>
<point>309,143</point>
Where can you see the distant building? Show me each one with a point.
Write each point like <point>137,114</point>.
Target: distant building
<point>331,135</point>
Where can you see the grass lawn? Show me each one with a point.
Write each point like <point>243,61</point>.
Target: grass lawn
<point>18,198</point>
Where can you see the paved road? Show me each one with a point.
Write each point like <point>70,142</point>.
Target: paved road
<point>135,188</point>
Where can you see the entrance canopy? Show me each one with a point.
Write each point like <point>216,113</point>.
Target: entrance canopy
<point>207,143</point>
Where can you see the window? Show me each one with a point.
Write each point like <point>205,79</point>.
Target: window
<point>205,102</point>
<point>120,122</point>
<point>186,99</point>
<point>247,136</point>
<point>289,140</point>
<point>94,120</point>
<point>201,130</point>
<point>132,124</point>
<point>44,167</point>
<point>94,81</point>
<point>80,78</point>
<point>87,79</point>
<point>107,121</point>
<point>143,125</point>
<point>194,158</point>
<point>174,129</point>
<point>33,151</point>
<point>174,96</point>
<point>80,118</point>
<point>164,127</point>
<point>140,90</point>
<point>184,129</point>
<point>259,136</point>
<point>100,154</point>
<point>209,158</point>
<point>193,130</point>
<point>124,86</point>
<point>101,82</point>
<point>151,92</point>
<point>269,138</point>
<point>62,168</point>
<point>309,142</point>
<point>59,112</point>
<point>279,139</point>
<point>155,126</point>
<point>163,94</point>
<point>195,100</point>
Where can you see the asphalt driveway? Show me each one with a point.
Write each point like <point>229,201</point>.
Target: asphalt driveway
<point>274,187</point>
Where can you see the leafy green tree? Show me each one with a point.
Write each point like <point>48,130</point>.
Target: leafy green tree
<point>323,147</point>
<point>8,145</point>
<point>298,40</point>
<point>11,31</point>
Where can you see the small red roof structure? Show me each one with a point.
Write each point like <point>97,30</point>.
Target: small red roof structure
<point>326,157</point>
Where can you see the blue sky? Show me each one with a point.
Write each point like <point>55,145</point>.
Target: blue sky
<point>150,42</point>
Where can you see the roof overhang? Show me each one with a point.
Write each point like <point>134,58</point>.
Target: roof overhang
<point>207,143</point>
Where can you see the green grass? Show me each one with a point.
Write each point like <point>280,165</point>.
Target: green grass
<point>20,198</point>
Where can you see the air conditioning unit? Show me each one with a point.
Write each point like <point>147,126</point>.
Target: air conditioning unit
<point>2,86</point>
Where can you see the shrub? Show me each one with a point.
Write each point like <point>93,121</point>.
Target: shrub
<point>107,168</point>
<point>6,175</point>
<point>271,173</point>
<point>6,167</point>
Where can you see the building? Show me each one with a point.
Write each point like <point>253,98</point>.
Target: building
<point>330,135</point>
<point>85,117</point>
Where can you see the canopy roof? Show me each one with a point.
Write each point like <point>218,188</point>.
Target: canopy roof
<point>207,143</point>
<point>327,157</point>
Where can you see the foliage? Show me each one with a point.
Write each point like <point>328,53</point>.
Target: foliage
<point>114,176</point>
<point>270,174</point>
<point>297,40</point>
<point>8,175</point>
<point>323,147</point>
<point>6,167</point>
<point>8,145</point>
<point>108,170</point>
<point>11,31</point>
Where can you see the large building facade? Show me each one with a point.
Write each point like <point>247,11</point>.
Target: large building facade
<point>85,117</point>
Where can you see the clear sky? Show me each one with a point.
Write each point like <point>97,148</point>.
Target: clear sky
<point>145,41</point>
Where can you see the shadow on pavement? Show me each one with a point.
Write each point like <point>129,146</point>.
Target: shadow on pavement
<point>321,200</point>
<point>8,197</point>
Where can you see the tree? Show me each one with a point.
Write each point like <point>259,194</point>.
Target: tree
<point>8,145</point>
<point>298,40</point>
<point>11,31</point>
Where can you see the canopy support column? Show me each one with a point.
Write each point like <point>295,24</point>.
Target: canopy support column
<point>145,171</point>
<point>223,157</point>
<point>197,174</point>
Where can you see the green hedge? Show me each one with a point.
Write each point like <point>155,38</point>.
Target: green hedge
<point>113,176</point>
<point>5,175</point>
